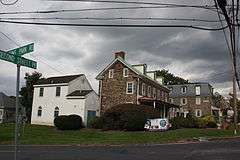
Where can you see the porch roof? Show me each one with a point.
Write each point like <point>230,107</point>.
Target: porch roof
<point>147,100</point>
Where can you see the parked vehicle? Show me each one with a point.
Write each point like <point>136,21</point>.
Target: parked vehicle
<point>158,124</point>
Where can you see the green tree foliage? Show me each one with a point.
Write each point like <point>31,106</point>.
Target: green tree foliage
<point>27,92</point>
<point>129,117</point>
<point>170,79</point>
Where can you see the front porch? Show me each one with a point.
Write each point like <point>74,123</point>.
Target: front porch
<point>167,110</point>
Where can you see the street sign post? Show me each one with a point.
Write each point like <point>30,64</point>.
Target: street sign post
<point>14,56</point>
<point>22,50</point>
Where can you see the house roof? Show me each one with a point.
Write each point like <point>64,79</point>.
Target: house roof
<point>57,80</point>
<point>6,102</point>
<point>79,93</point>
<point>143,76</point>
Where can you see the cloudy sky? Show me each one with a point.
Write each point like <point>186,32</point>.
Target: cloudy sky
<point>196,55</point>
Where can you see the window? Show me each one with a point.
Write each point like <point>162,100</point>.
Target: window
<point>58,91</point>
<point>130,87</point>
<point>110,73</point>
<point>184,89</point>
<point>143,89</point>
<point>183,101</point>
<point>198,112</point>
<point>154,93</point>
<point>158,94</point>
<point>171,100</point>
<point>149,91</point>
<point>198,100</point>
<point>198,90</point>
<point>39,112</point>
<point>56,112</point>
<point>41,92</point>
<point>125,72</point>
<point>1,112</point>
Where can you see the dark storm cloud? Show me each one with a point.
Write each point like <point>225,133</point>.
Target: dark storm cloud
<point>193,54</point>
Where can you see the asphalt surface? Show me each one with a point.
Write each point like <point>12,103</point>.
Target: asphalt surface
<point>214,150</point>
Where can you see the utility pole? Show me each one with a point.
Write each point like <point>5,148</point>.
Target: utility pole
<point>233,44</point>
<point>17,115</point>
<point>222,4</point>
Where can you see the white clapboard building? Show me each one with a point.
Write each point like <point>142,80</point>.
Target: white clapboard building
<point>64,95</point>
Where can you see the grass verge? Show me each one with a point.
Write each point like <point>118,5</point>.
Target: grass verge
<point>34,134</point>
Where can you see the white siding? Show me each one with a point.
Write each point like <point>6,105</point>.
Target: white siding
<point>93,104</point>
<point>80,83</point>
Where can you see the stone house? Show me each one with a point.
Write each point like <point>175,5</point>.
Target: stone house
<point>121,82</point>
<point>64,95</point>
<point>194,98</point>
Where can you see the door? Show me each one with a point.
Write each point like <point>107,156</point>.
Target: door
<point>90,116</point>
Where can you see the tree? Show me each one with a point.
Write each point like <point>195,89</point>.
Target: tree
<point>27,92</point>
<point>170,79</point>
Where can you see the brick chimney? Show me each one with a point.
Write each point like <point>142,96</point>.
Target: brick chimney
<point>120,54</point>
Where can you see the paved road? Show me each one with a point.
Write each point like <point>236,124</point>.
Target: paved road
<point>217,150</point>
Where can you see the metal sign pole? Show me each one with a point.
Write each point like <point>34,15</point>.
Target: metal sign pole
<point>16,114</point>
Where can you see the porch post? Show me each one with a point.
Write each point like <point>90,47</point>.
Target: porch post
<point>164,111</point>
<point>154,104</point>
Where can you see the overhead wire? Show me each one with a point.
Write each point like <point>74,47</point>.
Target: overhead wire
<point>114,25</point>
<point>111,19</point>
<point>8,4</point>
<point>17,44</point>
<point>94,9</point>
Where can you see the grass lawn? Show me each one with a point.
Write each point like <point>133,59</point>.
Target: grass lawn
<point>34,134</point>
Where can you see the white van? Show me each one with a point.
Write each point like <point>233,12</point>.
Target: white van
<point>158,124</point>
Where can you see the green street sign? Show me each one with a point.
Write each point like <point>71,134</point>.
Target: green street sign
<point>22,50</point>
<point>18,60</point>
<point>7,57</point>
<point>26,62</point>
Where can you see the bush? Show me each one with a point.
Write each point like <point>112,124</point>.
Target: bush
<point>97,123</point>
<point>70,122</point>
<point>181,122</point>
<point>128,117</point>
<point>207,122</point>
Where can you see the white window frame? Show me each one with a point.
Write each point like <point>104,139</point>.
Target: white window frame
<point>197,91</point>
<point>182,89</point>
<point>41,88</point>
<point>158,94</point>
<point>198,111</point>
<point>56,110</point>
<point>132,88</point>
<point>110,73</point>
<point>143,89</point>
<point>154,93</point>
<point>57,91</point>
<point>198,100</point>
<point>39,109</point>
<point>182,101</point>
<point>149,91</point>
<point>125,72</point>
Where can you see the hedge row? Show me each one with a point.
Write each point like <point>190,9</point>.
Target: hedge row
<point>128,117</point>
<point>68,122</point>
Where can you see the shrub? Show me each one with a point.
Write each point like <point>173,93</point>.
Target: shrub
<point>181,122</point>
<point>128,117</point>
<point>68,122</point>
<point>97,123</point>
<point>207,122</point>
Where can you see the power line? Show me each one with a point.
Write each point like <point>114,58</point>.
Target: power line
<point>138,2</point>
<point>4,3</point>
<point>110,19</point>
<point>114,25</point>
<point>93,9</point>
<point>17,44</point>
